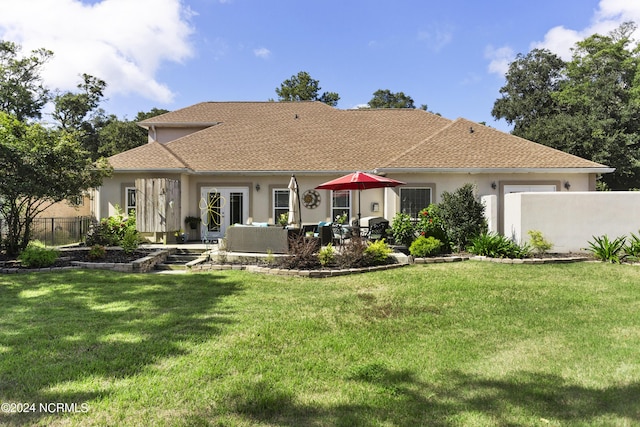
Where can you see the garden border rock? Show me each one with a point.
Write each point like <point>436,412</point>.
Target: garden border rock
<point>141,265</point>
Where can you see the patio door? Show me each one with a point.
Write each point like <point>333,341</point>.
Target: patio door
<point>220,208</point>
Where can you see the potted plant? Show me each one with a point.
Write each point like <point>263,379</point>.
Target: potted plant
<point>283,219</point>
<point>192,221</point>
<point>181,236</point>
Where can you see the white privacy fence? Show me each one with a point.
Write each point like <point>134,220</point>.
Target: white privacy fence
<point>570,219</point>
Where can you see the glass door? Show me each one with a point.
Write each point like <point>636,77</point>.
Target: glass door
<point>221,208</point>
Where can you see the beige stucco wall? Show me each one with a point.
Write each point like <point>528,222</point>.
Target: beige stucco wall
<point>570,219</point>
<point>164,135</point>
<point>260,202</point>
<point>65,209</point>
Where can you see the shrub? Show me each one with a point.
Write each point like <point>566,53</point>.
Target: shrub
<point>430,224</point>
<point>97,252</point>
<point>607,250</point>
<point>538,242</point>
<point>633,248</point>
<point>495,245</point>
<point>36,255</point>
<point>352,253</point>
<point>111,231</point>
<point>425,247</point>
<point>130,241</point>
<point>377,253</point>
<point>327,255</point>
<point>462,216</point>
<point>402,229</point>
<point>302,254</point>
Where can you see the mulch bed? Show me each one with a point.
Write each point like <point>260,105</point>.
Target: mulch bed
<point>67,256</point>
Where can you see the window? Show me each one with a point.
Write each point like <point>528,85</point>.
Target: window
<point>76,201</point>
<point>280,203</point>
<point>413,200</point>
<point>130,201</point>
<point>340,204</point>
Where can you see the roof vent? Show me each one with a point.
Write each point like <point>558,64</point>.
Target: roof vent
<point>296,116</point>
<point>471,129</point>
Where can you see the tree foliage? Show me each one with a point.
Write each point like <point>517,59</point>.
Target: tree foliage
<point>588,106</point>
<point>116,136</point>
<point>384,98</point>
<point>22,92</point>
<point>38,167</point>
<point>462,216</point>
<point>302,87</point>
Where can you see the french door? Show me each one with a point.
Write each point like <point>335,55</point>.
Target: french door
<point>221,208</point>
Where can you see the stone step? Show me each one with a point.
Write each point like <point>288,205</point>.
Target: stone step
<point>171,267</point>
<point>181,258</point>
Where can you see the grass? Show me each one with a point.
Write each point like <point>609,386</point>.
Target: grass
<point>468,344</point>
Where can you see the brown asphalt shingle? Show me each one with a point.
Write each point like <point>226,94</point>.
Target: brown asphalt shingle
<point>312,136</point>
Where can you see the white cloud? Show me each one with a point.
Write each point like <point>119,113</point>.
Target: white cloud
<point>123,42</point>
<point>499,59</point>
<point>610,14</point>
<point>262,52</point>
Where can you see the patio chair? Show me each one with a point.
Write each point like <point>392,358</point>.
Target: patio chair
<point>340,233</point>
<point>377,231</point>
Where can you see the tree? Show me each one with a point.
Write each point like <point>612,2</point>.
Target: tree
<point>22,93</point>
<point>38,167</point>
<point>588,106</point>
<point>384,98</point>
<point>302,87</point>
<point>117,136</point>
<point>527,97</point>
<point>462,215</point>
<point>79,112</point>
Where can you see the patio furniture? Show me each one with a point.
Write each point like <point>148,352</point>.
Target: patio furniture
<point>245,238</point>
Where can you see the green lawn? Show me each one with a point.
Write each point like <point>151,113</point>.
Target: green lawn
<point>464,344</point>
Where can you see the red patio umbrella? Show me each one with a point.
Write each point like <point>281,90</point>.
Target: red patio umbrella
<point>359,181</point>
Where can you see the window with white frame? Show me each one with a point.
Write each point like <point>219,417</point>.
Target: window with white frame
<point>130,201</point>
<point>341,204</point>
<point>413,200</point>
<point>280,203</point>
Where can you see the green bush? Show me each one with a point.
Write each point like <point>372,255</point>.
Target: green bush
<point>462,216</point>
<point>97,252</point>
<point>430,224</point>
<point>327,255</point>
<point>111,231</point>
<point>403,229</point>
<point>130,241</point>
<point>36,255</point>
<point>425,247</point>
<point>633,247</point>
<point>377,253</point>
<point>498,246</point>
<point>607,250</point>
<point>538,242</point>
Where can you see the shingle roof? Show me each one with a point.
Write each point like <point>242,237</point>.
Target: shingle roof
<point>312,136</point>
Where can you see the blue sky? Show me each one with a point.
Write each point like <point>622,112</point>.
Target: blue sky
<point>450,55</point>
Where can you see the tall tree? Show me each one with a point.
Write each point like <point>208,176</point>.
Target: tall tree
<point>384,98</point>
<point>302,87</point>
<point>22,92</point>
<point>38,167</point>
<point>588,107</point>
<point>78,112</point>
<point>117,136</point>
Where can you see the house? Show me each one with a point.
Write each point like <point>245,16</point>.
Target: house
<point>231,162</point>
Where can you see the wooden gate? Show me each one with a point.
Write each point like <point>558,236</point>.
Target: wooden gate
<point>158,205</point>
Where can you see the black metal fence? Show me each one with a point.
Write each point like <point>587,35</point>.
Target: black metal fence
<point>60,231</point>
